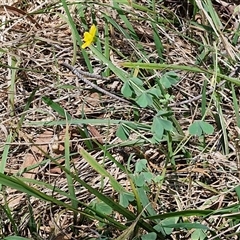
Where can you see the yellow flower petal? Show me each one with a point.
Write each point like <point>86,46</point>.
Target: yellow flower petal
<point>88,37</point>
<point>93,30</point>
<point>86,44</point>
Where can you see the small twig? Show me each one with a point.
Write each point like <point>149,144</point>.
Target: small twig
<point>233,73</point>
<point>80,74</point>
<point>194,99</point>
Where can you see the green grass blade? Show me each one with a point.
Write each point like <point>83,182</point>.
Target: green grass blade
<point>5,153</point>
<point>76,35</point>
<point>56,107</point>
<point>98,167</point>
<point>194,69</point>
<point>235,105</point>
<point>70,182</point>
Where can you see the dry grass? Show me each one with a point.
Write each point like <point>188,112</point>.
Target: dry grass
<point>35,44</point>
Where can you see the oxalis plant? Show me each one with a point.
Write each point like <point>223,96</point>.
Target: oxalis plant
<point>154,97</point>
<point>163,127</point>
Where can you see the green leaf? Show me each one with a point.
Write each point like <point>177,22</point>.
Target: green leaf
<point>144,99</point>
<point>157,128</point>
<point>162,113</point>
<point>206,127</point>
<point>148,176</point>
<point>136,81</point>
<point>149,236</point>
<point>200,127</point>
<point>67,86</point>
<point>126,90</point>
<point>122,132</point>
<point>169,79</point>
<point>125,198</point>
<point>145,202</point>
<point>155,91</point>
<point>198,234</point>
<point>103,208</point>
<point>158,179</point>
<point>5,153</point>
<point>159,125</point>
<point>143,178</point>
<point>159,134</point>
<point>167,125</point>
<point>169,221</point>
<point>237,190</point>
<point>139,180</point>
<point>195,129</point>
<point>140,165</point>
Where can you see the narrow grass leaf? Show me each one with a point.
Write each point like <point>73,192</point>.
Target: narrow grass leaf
<point>169,221</point>
<point>26,107</point>
<point>165,66</point>
<point>87,121</point>
<point>6,209</point>
<point>99,168</point>
<point>158,42</point>
<point>56,107</point>
<point>186,225</point>
<point>14,63</point>
<point>19,185</point>
<point>112,158</point>
<point>106,47</point>
<point>204,99</point>
<point>124,18</point>
<point>15,183</point>
<point>235,104</point>
<point>15,238</point>
<point>186,213</point>
<point>5,153</point>
<point>31,222</point>
<point>222,126</point>
<point>70,182</point>
<point>114,205</point>
<point>237,190</point>
<point>134,5</point>
<point>76,35</point>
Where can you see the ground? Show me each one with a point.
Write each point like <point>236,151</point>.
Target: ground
<point>40,100</point>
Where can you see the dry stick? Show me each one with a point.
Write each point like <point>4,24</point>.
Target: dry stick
<point>80,74</point>
<point>195,98</point>
<point>235,72</point>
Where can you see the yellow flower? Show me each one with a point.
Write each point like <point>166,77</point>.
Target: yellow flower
<point>89,36</point>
